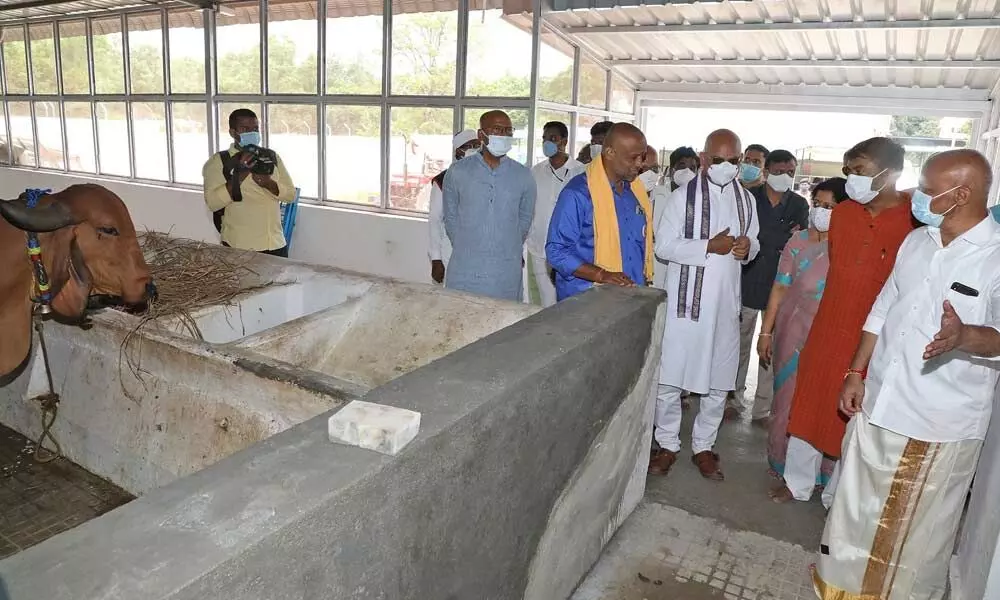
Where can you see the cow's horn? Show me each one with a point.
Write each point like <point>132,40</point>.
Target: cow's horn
<point>40,219</point>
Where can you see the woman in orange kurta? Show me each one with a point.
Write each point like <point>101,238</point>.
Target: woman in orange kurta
<point>863,240</point>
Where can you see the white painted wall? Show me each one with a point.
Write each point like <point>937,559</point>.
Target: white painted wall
<point>386,245</point>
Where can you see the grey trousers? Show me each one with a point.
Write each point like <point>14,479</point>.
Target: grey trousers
<point>764,393</point>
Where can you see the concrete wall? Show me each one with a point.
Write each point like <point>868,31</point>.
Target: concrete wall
<point>386,245</point>
<point>515,430</point>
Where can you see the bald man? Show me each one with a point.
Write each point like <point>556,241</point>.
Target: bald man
<point>649,175</point>
<point>489,202</point>
<point>706,233</point>
<point>919,392</point>
<point>572,246</point>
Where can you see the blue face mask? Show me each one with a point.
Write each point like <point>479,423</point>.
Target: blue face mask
<point>920,206</point>
<point>249,138</point>
<point>749,172</point>
<point>549,149</point>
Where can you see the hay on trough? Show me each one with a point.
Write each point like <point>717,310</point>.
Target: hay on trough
<point>189,276</point>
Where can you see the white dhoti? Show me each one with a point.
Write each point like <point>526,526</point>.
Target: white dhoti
<point>891,529</point>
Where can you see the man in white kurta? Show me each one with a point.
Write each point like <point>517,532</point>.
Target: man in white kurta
<point>707,230</point>
<point>921,414</point>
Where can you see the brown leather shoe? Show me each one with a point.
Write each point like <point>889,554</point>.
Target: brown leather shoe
<point>660,461</point>
<point>708,465</point>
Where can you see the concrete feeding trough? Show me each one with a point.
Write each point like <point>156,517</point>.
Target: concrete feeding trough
<point>225,438</point>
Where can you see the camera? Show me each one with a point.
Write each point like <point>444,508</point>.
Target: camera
<point>262,160</point>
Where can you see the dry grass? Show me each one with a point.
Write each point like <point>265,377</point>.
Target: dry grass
<point>189,276</point>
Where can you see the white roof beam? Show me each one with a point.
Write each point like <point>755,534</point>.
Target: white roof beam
<point>695,63</point>
<point>771,27</point>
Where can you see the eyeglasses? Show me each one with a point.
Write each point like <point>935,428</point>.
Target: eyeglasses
<point>718,160</point>
<point>507,131</point>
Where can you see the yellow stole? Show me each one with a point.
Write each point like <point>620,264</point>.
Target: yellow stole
<point>607,243</point>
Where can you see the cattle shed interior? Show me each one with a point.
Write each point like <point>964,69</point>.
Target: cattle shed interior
<point>361,99</point>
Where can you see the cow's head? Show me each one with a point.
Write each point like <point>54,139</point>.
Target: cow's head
<point>90,247</point>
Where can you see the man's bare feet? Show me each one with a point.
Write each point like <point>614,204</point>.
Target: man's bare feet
<point>781,494</point>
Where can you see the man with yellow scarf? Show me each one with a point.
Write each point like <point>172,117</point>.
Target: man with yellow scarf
<point>602,225</point>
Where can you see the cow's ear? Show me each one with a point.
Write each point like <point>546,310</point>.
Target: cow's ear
<point>74,282</point>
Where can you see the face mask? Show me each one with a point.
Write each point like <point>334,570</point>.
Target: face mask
<point>722,173</point>
<point>920,206</point>
<point>859,187</point>
<point>780,183</point>
<point>500,145</point>
<point>749,172</point>
<point>549,149</point>
<point>648,179</point>
<point>595,150</point>
<point>820,217</point>
<point>471,152</point>
<point>249,138</point>
<point>683,177</point>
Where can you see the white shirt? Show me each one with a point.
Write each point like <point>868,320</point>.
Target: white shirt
<point>950,397</point>
<point>550,182</point>
<point>659,196</point>
<point>439,247</point>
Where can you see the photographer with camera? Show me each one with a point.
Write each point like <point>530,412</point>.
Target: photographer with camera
<point>243,188</point>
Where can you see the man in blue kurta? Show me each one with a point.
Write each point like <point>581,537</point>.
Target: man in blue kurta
<point>573,247</point>
<point>489,203</point>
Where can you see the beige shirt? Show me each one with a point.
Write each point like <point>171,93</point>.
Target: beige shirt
<point>254,223</point>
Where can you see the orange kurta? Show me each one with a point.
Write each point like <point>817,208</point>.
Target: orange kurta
<point>862,253</point>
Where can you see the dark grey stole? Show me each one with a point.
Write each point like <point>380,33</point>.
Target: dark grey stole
<point>746,217</point>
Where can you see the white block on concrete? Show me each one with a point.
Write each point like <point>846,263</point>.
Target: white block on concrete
<point>377,427</point>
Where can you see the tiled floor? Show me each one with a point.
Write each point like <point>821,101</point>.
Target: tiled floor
<point>694,539</point>
<point>37,501</point>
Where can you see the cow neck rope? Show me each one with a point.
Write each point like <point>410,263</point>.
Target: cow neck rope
<point>41,306</point>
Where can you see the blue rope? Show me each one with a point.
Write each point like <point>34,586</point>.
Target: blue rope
<point>34,195</point>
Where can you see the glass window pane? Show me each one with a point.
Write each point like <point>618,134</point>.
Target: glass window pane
<point>291,48</point>
<point>15,61</point>
<point>48,125</point>
<point>499,56</point>
<point>354,68</point>
<point>518,118</point>
<point>109,69</point>
<point>149,125</point>
<point>80,137</point>
<point>190,136</point>
<point>73,54</point>
<point>292,134</point>
<point>419,149</point>
<point>225,108</point>
<point>424,46</point>
<point>353,148</point>
<point>145,52</point>
<point>622,96</point>
<point>187,52</point>
<point>238,49</point>
<point>22,145</point>
<point>593,83</point>
<point>43,59</point>
<point>555,69</point>
<point>112,138</point>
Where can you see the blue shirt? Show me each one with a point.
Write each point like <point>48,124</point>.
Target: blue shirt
<point>487,215</point>
<point>995,211</point>
<point>571,236</point>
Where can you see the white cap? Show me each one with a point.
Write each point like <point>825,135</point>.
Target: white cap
<point>462,138</point>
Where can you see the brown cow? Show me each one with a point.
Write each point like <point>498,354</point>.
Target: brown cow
<point>89,247</point>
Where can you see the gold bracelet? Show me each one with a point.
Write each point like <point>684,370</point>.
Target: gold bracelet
<point>765,335</point>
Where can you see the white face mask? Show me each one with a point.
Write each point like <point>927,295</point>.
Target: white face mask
<point>471,152</point>
<point>500,145</point>
<point>723,173</point>
<point>859,187</point>
<point>595,150</point>
<point>649,179</point>
<point>780,183</point>
<point>820,217</point>
<point>683,177</point>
